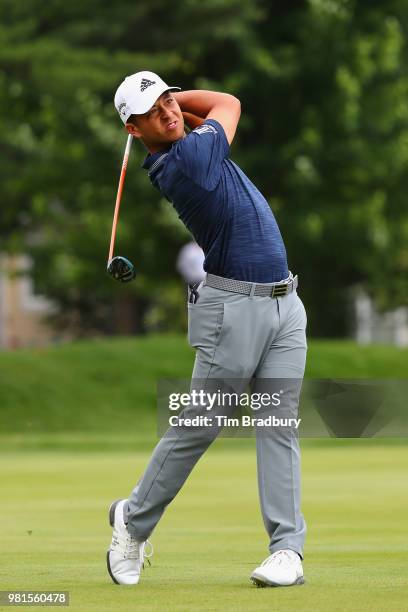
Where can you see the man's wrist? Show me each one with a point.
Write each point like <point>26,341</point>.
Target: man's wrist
<point>194,102</point>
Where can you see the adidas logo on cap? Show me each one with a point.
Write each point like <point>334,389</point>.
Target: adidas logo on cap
<point>146,83</point>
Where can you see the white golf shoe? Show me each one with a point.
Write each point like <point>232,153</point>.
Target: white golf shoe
<point>282,568</point>
<point>126,555</point>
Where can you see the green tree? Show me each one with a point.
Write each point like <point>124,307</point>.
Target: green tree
<point>328,129</point>
<point>323,85</point>
<point>60,64</point>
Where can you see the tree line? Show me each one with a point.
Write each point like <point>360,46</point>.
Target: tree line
<point>323,134</point>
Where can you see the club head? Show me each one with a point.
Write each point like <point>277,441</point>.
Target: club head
<point>121,269</point>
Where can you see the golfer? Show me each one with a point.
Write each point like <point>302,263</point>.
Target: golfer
<point>246,321</point>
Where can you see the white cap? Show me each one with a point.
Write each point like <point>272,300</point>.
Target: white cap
<point>138,92</point>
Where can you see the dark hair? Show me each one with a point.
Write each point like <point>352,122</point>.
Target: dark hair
<point>132,119</point>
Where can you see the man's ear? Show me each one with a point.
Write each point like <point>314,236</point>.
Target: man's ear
<point>132,129</point>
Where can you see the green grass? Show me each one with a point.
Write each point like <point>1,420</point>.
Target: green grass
<point>355,501</point>
<point>83,386</point>
<point>80,386</point>
<point>58,404</point>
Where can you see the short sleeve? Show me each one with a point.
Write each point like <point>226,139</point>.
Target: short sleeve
<point>200,154</point>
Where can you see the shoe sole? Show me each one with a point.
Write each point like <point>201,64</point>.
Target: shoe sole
<point>109,568</point>
<point>111,515</point>
<point>262,582</point>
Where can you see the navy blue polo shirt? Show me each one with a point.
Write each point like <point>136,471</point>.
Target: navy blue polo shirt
<point>224,211</point>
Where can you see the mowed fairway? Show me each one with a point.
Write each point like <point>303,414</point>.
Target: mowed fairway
<point>54,532</point>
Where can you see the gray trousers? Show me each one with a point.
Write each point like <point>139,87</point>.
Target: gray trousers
<point>243,338</point>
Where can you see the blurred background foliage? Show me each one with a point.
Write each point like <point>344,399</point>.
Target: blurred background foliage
<point>323,134</point>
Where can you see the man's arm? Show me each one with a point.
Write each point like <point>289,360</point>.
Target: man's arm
<point>226,109</point>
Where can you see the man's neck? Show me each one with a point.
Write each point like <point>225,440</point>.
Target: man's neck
<point>161,148</point>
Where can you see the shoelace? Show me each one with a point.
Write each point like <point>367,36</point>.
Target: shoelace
<point>147,556</point>
<point>131,547</point>
<point>281,557</point>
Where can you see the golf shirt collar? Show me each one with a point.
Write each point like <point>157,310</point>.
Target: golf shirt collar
<point>150,159</point>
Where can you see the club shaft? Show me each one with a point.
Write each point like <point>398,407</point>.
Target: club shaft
<point>119,195</point>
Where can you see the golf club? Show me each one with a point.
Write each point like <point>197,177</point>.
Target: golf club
<point>120,268</point>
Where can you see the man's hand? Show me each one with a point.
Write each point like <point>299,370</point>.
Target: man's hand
<point>222,107</point>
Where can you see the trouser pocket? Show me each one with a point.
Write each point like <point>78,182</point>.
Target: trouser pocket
<point>205,324</point>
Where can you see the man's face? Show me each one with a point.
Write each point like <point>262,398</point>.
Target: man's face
<point>162,125</point>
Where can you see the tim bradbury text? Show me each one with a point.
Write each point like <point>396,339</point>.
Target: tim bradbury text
<point>224,421</point>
